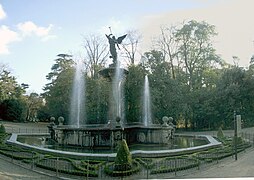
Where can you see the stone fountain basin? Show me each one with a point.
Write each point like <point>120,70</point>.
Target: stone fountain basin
<point>212,142</point>
<point>107,127</point>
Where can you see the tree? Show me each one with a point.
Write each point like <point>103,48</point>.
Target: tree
<point>247,91</point>
<point>166,92</point>
<point>58,92</point>
<point>154,60</point>
<point>11,96</point>
<point>196,50</point>
<point>43,114</point>
<point>58,98</point>
<point>9,88</point>
<point>11,110</point>
<point>133,93</point>
<point>229,96</point>
<point>97,100</point>
<point>95,54</point>
<point>63,62</point>
<point>33,103</point>
<point>131,45</point>
<point>168,45</point>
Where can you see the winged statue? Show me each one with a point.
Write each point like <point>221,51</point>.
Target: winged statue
<point>113,42</point>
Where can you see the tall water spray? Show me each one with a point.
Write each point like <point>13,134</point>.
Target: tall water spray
<point>77,111</point>
<point>147,118</point>
<point>118,93</point>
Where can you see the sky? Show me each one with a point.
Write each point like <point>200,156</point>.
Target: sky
<point>32,33</point>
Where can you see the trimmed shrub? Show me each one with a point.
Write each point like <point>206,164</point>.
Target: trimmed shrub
<point>147,163</point>
<point>220,134</point>
<point>238,141</point>
<point>60,164</point>
<point>123,158</point>
<point>171,164</point>
<point>19,155</point>
<point>90,164</point>
<point>2,129</point>
<point>110,169</point>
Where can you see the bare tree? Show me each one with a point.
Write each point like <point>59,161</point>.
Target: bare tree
<point>95,53</point>
<point>168,45</point>
<point>130,45</point>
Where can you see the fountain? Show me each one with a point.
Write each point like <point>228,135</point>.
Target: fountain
<point>147,118</point>
<point>107,135</point>
<point>100,140</point>
<point>78,99</point>
<point>117,93</point>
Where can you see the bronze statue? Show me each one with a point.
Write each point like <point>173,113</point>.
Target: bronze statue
<point>113,42</point>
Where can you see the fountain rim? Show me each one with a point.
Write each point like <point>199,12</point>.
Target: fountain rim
<point>109,72</point>
<point>135,153</point>
<point>107,127</point>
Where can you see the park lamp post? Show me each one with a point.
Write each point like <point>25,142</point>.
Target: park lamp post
<point>235,135</point>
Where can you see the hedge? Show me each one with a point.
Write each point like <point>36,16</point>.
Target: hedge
<point>74,171</point>
<point>165,169</point>
<point>109,169</point>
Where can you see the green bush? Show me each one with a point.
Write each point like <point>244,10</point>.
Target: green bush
<point>19,155</point>
<point>220,134</point>
<point>167,169</point>
<point>90,164</point>
<point>110,170</point>
<point>177,163</point>
<point>2,129</point>
<point>11,110</point>
<point>147,163</point>
<point>50,163</point>
<point>123,158</point>
<point>123,164</point>
<point>2,139</point>
<point>238,141</point>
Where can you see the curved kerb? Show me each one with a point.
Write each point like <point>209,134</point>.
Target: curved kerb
<point>109,156</point>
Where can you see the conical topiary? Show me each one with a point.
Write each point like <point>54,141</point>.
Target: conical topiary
<point>2,129</point>
<point>220,134</point>
<point>123,159</point>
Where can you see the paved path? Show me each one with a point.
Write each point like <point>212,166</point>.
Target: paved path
<point>229,167</point>
<point>12,127</point>
<point>9,171</point>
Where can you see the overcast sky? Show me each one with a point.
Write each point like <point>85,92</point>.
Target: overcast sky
<point>33,32</point>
